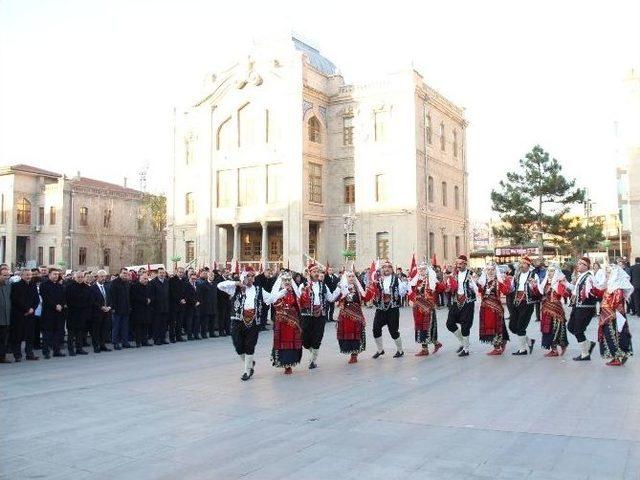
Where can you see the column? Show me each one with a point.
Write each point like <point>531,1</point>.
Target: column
<point>264,250</point>
<point>236,242</point>
<point>214,247</point>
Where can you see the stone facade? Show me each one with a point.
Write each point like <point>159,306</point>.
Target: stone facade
<point>78,223</point>
<point>279,154</point>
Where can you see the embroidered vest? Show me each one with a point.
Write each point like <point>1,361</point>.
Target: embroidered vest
<point>391,300</point>
<point>249,315</point>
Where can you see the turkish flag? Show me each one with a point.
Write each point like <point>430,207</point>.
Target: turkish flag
<point>434,262</point>
<point>413,269</point>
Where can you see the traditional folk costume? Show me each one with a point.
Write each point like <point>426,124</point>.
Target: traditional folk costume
<point>526,286</point>
<point>314,305</point>
<point>350,329</point>
<point>553,323</point>
<point>613,328</point>
<point>493,328</point>
<point>287,330</point>
<point>246,305</point>
<point>464,291</point>
<point>424,291</point>
<point>584,295</point>
<point>387,292</point>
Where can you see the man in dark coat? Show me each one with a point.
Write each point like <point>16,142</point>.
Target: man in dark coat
<point>101,313</point>
<point>159,292</point>
<point>78,300</point>
<point>635,281</point>
<point>222,308</point>
<point>177,303</point>
<point>331,280</point>
<point>5,312</point>
<point>206,309</point>
<point>24,301</point>
<point>120,308</point>
<point>53,302</point>
<point>191,319</point>
<point>141,310</point>
<point>265,280</point>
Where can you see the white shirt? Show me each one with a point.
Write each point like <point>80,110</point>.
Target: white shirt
<point>386,284</point>
<point>315,287</point>
<point>522,281</point>
<point>461,276</point>
<point>101,288</point>
<point>403,287</point>
<point>229,287</point>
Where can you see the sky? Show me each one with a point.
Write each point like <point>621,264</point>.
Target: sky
<point>90,85</point>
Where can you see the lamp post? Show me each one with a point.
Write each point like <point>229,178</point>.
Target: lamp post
<point>349,220</point>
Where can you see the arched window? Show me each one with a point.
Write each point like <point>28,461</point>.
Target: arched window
<point>430,189</point>
<point>429,130</point>
<point>444,194</point>
<point>24,212</point>
<point>189,204</point>
<point>455,143</point>
<point>442,138</point>
<point>314,130</point>
<point>223,140</point>
<point>456,197</point>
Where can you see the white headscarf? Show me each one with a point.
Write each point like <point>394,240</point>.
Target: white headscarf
<point>619,279</point>
<point>558,277</point>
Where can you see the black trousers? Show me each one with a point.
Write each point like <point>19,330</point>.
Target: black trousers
<point>52,333</point>
<point>222,317</point>
<point>244,338</point>
<point>76,329</point>
<point>22,330</point>
<point>207,325</point>
<point>37,332</point>
<point>579,321</point>
<point>312,330</point>
<point>4,337</point>
<point>330,310</point>
<point>521,317</point>
<point>191,322</point>
<point>462,316</point>
<point>141,332</point>
<point>635,301</point>
<point>389,318</point>
<point>100,330</point>
<point>159,327</point>
<point>175,324</point>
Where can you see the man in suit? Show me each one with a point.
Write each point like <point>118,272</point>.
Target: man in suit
<point>635,281</point>
<point>159,292</point>
<point>191,319</point>
<point>78,301</point>
<point>331,280</point>
<point>5,312</point>
<point>222,302</point>
<point>53,303</point>
<point>204,292</point>
<point>24,301</point>
<point>177,304</point>
<point>266,281</point>
<point>121,308</point>
<point>100,314</point>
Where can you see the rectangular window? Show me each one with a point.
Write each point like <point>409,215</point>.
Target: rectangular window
<point>382,188</point>
<point>275,183</point>
<point>430,189</point>
<point>3,218</point>
<point>432,244</point>
<point>82,256</point>
<point>189,251</point>
<point>248,187</point>
<point>106,219</point>
<point>347,130</point>
<point>382,245</point>
<point>40,215</point>
<point>225,188</point>
<point>52,255</point>
<point>189,204</point>
<point>84,216</point>
<point>457,245</point>
<point>52,215</point>
<point>349,191</point>
<point>266,126</point>
<point>444,194</point>
<point>106,260</point>
<point>40,255</point>
<point>315,183</point>
<point>445,246</point>
<point>456,197</point>
<point>313,240</point>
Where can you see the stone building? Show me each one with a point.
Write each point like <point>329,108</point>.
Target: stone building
<point>280,159</point>
<point>77,223</point>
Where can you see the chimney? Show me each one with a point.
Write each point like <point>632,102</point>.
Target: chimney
<point>125,182</point>
<point>78,174</point>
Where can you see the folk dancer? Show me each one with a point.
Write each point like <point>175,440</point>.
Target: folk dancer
<point>287,330</point>
<point>613,328</point>
<point>493,329</point>
<point>387,292</point>
<point>463,288</point>
<point>553,323</point>
<point>526,286</point>
<point>350,329</point>
<point>424,290</point>
<point>315,297</point>
<point>246,302</point>
<point>584,294</point>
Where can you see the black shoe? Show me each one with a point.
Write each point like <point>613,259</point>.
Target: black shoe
<point>197,337</point>
<point>378,354</point>
<point>460,348</point>
<point>126,345</point>
<point>80,351</point>
<point>180,339</point>
<point>172,340</point>
<point>138,344</point>
<point>189,338</point>
<point>146,344</point>
<point>580,358</point>
<point>519,352</point>
<point>591,347</point>
<point>17,359</point>
<point>245,377</point>
<point>531,342</point>
<point>398,355</point>
<point>96,349</point>
<point>117,347</point>
<point>46,356</point>
<point>164,342</point>
<point>104,348</point>
<point>205,335</point>
<point>72,353</point>
<point>59,354</point>
<point>32,357</point>
<point>463,353</point>
<point>312,365</point>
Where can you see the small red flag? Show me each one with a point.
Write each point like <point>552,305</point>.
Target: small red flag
<point>413,269</point>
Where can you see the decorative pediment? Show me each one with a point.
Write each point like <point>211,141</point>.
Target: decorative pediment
<point>248,75</point>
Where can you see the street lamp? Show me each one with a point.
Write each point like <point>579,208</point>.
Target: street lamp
<point>349,220</point>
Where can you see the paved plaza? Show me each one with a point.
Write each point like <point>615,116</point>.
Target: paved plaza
<point>181,412</point>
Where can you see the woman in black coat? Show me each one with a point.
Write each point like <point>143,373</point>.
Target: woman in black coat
<point>140,299</point>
